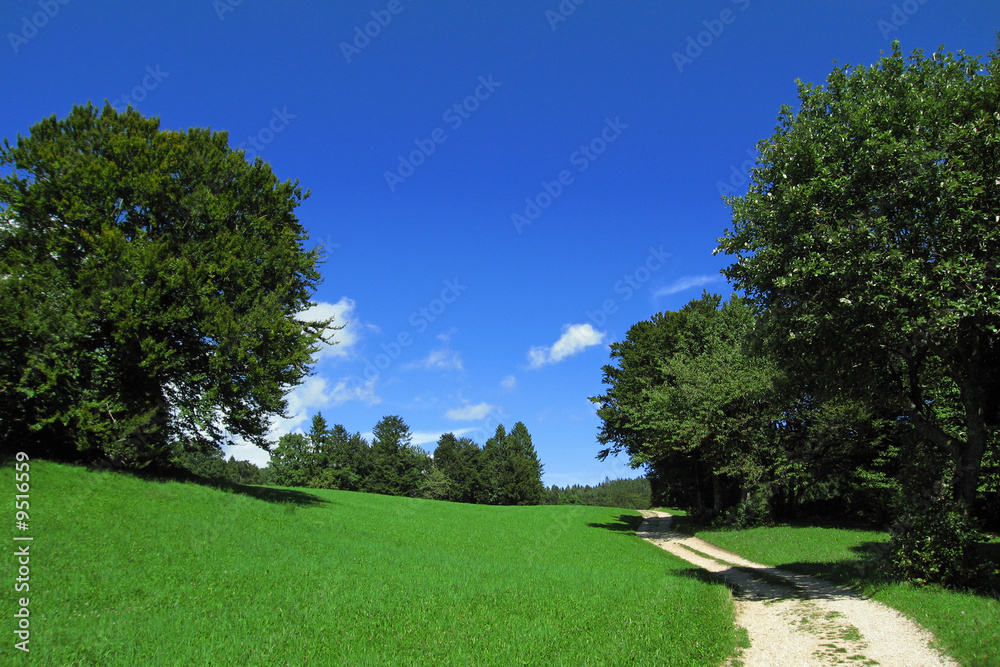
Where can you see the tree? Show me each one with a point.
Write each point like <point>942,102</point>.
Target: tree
<point>349,460</point>
<point>152,285</point>
<point>692,401</point>
<point>525,466</point>
<point>292,461</point>
<point>460,460</point>
<point>397,466</point>
<point>512,473</point>
<point>869,242</point>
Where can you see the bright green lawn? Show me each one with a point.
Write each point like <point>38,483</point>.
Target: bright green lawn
<point>966,625</point>
<point>132,572</point>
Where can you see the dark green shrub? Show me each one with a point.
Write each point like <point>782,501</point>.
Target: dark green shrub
<point>937,545</point>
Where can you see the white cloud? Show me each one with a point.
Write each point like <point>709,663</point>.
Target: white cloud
<point>443,359</point>
<point>426,437</point>
<point>241,451</point>
<point>685,283</point>
<point>575,339</point>
<point>317,394</point>
<point>509,382</point>
<point>342,313</point>
<point>470,412</point>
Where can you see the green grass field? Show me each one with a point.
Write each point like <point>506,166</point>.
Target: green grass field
<point>126,571</point>
<point>966,625</point>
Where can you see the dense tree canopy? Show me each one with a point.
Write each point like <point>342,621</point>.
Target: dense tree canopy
<point>690,400</point>
<point>869,240</point>
<point>151,283</point>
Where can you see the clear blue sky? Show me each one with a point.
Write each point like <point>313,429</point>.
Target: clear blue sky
<point>423,139</point>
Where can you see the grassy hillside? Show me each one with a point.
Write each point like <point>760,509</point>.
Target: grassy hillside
<point>132,572</point>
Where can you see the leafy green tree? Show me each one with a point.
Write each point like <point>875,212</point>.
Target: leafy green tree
<point>242,472</point>
<point>691,400</point>
<point>869,241</point>
<point>292,461</point>
<point>152,287</point>
<point>436,485</point>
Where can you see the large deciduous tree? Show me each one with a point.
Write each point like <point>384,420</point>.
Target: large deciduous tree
<point>151,288</point>
<point>869,239</point>
<point>691,401</point>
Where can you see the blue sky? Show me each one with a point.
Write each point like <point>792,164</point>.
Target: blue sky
<point>502,189</point>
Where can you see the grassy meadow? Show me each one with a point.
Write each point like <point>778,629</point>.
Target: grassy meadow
<point>127,571</point>
<point>966,625</point>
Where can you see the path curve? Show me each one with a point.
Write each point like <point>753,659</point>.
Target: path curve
<point>793,619</point>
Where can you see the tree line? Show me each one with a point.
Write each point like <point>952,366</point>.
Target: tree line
<point>857,367</point>
<point>633,494</point>
<point>505,471</point>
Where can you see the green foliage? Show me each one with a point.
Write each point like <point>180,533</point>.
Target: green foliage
<point>512,472</point>
<point>152,283</point>
<point>396,465</point>
<point>460,460</point>
<point>869,243</point>
<point>694,402</point>
<point>292,461</point>
<point>938,544</point>
<point>213,466</point>
<point>507,473</point>
<point>136,572</point>
<point>634,494</point>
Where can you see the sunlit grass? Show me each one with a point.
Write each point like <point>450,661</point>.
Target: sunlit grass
<point>135,572</point>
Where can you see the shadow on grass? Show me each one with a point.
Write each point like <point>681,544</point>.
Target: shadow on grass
<point>269,494</point>
<point>707,577</point>
<point>627,523</point>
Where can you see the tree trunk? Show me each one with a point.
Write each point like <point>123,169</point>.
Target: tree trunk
<point>716,494</point>
<point>969,458</point>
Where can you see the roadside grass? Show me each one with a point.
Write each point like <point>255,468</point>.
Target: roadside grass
<point>127,571</point>
<point>965,624</point>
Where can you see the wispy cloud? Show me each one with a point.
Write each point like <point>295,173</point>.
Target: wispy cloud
<point>425,437</point>
<point>685,283</point>
<point>509,382</point>
<point>441,359</point>
<point>317,394</point>
<point>470,413</point>
<point>575,339</point>
<point>344,339</point>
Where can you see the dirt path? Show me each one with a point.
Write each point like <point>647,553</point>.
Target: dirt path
<point>793,619</point>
